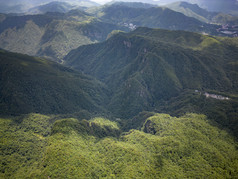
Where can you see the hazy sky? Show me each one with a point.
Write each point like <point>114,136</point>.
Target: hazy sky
<point>101,1</point>
<point>105,1</point>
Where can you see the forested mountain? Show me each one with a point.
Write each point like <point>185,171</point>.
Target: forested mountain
<point>193,10</point>
<point>51,35</point>
<point>29,84</point>
<point>225,6</point>
<point>154,17</point>
<point>149,68</point>
<point>120,100</point>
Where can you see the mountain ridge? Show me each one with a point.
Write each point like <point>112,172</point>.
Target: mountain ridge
<point>53,34</point>
<point>147,69</point>
<point>193,10</point>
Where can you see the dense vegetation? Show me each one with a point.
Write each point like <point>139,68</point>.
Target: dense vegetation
<point>101,113</point>
<point>29,84</point>
<point>37,146</point>
<point>53,34</point>
<point>193,10</point>
<point>153,17</point>
<point>154,69</point>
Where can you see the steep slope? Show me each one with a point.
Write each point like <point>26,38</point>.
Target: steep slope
<point>51,35</point>
<point>148,69</point>
<point>38,146</point>
<point>30,84</point>
<point>154,17</point>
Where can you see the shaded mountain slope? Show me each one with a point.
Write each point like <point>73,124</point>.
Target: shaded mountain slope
<point>51,35</point>
<point>36,85</point>
<point>148,69</point>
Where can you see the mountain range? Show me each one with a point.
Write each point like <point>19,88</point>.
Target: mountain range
<point>154,17</point>
<point>24,6</point>
<point>225,6</point>
<point>193,10</point>
<point>123,90</point>
<point>53,34</point>
<point>148,68</point>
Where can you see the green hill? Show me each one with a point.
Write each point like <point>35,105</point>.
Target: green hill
<point>29,84</point>
<point>38,146</point>
<point>51,35</point>
<point>148,69</point>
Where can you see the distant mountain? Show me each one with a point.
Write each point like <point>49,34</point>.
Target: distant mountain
<point>54,6</point>
<point>51,35</point>
<point>226,6</point>
<point>29,84</point>
<point>154,17</point>
<point>132,4</point>
<point>148,68</point>
<point>193,10</point>
<point>23,6</point>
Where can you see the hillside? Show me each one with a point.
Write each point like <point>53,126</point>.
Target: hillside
<point>29,84</point>
<point>154,17</point>
<point>148,69</point>
<point>145,104</point>
<point>39,146</point>
<point>193,10</point>
<point>51,35</point>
